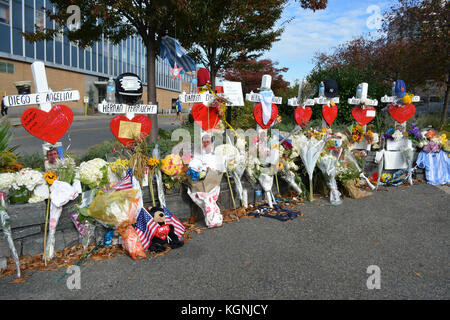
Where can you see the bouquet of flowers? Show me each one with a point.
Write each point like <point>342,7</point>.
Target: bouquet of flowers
<point>309,150</point>
<point>432,141</point>
<point>287,166</point>
<point>408,154</point>
<point>394,134</point>
<point>234,163</point>
<point>119,167</point>
<point>27,185</point>
<point>327,163</point>
<point>357,133</point>
<point>94,173</point>
<point>65,169</point>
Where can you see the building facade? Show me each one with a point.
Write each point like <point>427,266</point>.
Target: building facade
<point>69,65</point>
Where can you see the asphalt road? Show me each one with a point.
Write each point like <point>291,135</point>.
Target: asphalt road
<point>82,135</point>
<point>323,255</point>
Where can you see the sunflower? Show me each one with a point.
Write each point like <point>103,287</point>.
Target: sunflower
<point>50,177</point>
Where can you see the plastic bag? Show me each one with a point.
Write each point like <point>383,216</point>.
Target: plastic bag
<point>131,242</point>
<point>114,208</point>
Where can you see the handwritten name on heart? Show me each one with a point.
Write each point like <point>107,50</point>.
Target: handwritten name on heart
<point>120,123</point>
<point>48,126</point>
<point>363,116</point>
<point>401,114</point>
<point>303,115</point>
<point>257,113</point>
<point>206,117</point>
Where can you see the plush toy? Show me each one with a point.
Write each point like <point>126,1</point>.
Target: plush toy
<point>164,234</point>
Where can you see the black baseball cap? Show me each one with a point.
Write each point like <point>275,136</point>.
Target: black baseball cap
<point>331,88</point>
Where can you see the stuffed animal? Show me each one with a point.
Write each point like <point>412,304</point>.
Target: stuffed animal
<point>164,234</point>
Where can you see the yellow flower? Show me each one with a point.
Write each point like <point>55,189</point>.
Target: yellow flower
<point>280,166</point>
<point>443,138</point>
<point>50,177</point>
<point>324,130</point>
<point>152,162</point>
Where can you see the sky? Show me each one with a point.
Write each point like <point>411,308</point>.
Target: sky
<point>321,31</point>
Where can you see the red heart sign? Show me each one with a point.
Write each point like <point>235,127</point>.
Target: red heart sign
<point>257,113</point>
<point>124,129</point>
<point>361,115</point>
<point>302,115</point>
<point>162,232</point>
<point>329,113</point>
<point>401,114</point>
<point>206,117</point>
<point>48,126</point>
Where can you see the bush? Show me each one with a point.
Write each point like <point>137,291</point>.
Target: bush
<point>34,161</point>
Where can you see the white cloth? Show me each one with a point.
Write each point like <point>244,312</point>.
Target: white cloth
<point>266,103</point>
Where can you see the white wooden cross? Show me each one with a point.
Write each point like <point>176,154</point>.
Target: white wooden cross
<point>273,158</point>
<point>397,101</point>
<point>322,100</point>
<point>393,154</point>
<point>362,99</point>
<point>128,110</point>
<point>44,96</point>
<point>298,102</point>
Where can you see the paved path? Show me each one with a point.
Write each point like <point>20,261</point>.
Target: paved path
<point>322,255</point>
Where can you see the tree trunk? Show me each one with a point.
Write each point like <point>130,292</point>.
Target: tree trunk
<point>151,89</point>
<point>444,111</point>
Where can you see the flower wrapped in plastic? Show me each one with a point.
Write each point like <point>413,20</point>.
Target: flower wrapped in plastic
<point>309,151</point>
<point>287,166</point>
<point>205,192</point>
<point>235,165</point>
<point>6,227</point>
<point>172,165</point>
<point>118,209</point>
<point>408,154</point>
<point>328,165</point>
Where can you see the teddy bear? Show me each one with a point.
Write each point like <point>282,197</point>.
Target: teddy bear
<point>164,234</point>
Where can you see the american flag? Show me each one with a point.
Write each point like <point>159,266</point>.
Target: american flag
<point>145,227</point>
<point>178,226</point>
<point>126,183</point>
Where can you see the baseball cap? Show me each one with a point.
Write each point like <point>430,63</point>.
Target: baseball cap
<point>400,88</point>
<point>331,88</point>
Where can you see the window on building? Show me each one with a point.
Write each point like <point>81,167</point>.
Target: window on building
<point>40,19</point>
<point>4,11</point>
<point>6,67</point>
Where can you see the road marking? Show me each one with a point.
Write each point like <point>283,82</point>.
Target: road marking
<point>71,131</point>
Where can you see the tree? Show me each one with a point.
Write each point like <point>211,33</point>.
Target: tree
<point>425,26</point>
<point>117,20</point>
<point>250,73</point>
<point>348,77</point>
<point>234,30</point>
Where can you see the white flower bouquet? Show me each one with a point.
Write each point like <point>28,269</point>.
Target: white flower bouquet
<point>93,173</point>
